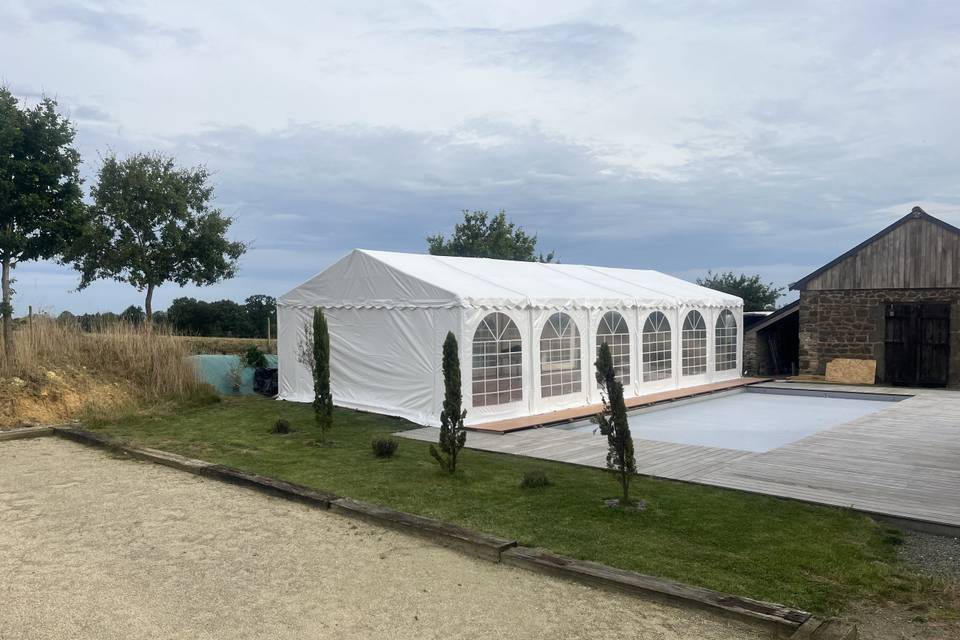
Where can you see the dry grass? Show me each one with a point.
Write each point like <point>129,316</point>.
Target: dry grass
<point>229,346</point>
<point>59,372</point>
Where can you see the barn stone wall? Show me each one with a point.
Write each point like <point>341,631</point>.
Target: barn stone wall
<point>756,354</point>
<point>850,324</point>
<point>751,365</point>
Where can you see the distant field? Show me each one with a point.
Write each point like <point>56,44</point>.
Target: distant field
<point>232,346</point>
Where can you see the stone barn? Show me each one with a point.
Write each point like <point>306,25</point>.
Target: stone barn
<point>895,299</point>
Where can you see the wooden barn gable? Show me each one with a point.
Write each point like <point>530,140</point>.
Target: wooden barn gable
<point>916,252</point>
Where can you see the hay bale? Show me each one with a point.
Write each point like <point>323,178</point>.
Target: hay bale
<point>850,371</point>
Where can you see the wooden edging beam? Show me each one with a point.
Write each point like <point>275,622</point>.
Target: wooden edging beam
<point>26,432</point>
<point>474,543</point>
<point>831,629</point>
<point>786,621</point>
<point>781,618</point>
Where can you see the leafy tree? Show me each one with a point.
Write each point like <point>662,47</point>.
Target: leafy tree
<point>230,319</point>
<point>190,316</point>
<point>756,295</point>
<point>41,211</point>
<point>133,315</point>
<point>67,319</point>
<point>480,236</point>
<point>261,309</point>
<point>322,398</point>
<point>152,223</point>
<point>96,321</point>
<point>613,424</point>
<point>220,318</point>
<point>452,434</point>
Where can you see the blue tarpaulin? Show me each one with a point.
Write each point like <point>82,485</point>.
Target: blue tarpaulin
<point>216,371</point>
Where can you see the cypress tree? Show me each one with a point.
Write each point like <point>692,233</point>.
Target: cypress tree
<point>613,424</point>
<point>452,434</point>
<point>322,398</point>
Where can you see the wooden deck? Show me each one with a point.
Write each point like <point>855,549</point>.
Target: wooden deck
<point>576,413</point>
<point>901,462</point>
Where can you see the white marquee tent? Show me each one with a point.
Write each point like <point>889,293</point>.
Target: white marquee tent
<point>528,333</point>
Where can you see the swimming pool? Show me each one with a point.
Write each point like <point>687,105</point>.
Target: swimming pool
<point>751,419</point>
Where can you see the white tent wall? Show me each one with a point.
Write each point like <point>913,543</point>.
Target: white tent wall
<point>295,382</point>
<point>383,360</point>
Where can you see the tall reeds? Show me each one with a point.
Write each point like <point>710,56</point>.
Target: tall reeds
<point>151,359</point>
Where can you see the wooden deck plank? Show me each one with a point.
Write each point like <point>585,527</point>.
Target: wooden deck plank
<point>578,413</point>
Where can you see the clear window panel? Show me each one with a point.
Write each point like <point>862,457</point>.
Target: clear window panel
<point>614,333</point>
<point>559,357</point>
<point>497,361</point>
<point>657,348</point>
<point>726,341</point>
<point>693,345</point>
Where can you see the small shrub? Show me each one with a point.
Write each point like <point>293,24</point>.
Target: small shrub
<point>384,447</point>
<point>282,425</point>
<point>534,480</point>
<point>254,357</point>
<point>235,377</point>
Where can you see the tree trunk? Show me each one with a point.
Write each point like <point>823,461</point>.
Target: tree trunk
<point>7,311</point>
<point>148,305</point>
<point>624,474</point>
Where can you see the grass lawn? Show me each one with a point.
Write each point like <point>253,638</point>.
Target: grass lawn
<point>815,558</point>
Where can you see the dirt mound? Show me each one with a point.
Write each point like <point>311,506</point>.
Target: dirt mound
<point>58,396</point>
<point>57,372</point>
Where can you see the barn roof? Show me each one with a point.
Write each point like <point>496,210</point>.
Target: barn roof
<point>915,214</point>
<point>383,279</point>
<point>775,317</point>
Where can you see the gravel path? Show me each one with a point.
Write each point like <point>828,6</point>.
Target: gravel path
<point>96,547</point>
<point>937,556</point>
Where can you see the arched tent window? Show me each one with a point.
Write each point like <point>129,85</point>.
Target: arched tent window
<point>726,341</point>
<point>497,361</point>
<point>559,357</point>
<point>656,348</point>
<point>693,345</point>
<point>613,332</point>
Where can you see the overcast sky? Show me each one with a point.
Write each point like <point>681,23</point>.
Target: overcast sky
<point>754,136</point>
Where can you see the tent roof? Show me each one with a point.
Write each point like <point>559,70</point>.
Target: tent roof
<point>383,279</point>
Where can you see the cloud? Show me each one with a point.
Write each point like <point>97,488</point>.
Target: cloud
<point>105,25</point>
<point>89,113</point>
<point>581,48</point>
<point>680,136</point>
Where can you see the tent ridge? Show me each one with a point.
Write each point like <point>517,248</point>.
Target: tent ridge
<point>473,275</point>
<point>641,286</point>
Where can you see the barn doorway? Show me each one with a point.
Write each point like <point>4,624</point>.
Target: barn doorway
<point>917,344</point>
